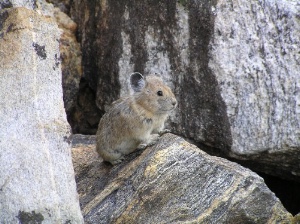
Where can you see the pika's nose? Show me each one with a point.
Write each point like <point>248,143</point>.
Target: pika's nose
<point>174,103</point>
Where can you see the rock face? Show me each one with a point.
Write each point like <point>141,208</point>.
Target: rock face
<point>172,182</point>
<point>255,58</point>
<point>232,65</point>
<point>36,176</point>
<point>259,84</point>
<point>70,56</point>
<point>167,38</point>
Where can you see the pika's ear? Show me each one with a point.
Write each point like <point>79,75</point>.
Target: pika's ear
<point>137,81</point>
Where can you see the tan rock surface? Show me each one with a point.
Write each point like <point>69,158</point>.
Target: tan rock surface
<point>172,182</point>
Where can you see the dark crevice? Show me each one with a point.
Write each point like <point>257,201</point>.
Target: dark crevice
<point>287,191</point>
<point>85,115</point>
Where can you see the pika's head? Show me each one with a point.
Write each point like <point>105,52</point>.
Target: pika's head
<point>152,93</point>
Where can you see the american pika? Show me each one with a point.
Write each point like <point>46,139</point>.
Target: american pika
<point>135,120</point>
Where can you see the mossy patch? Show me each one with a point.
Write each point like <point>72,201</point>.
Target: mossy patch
<point>30,218</point>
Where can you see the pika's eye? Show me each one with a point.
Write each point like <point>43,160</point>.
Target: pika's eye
<point>160,93</point>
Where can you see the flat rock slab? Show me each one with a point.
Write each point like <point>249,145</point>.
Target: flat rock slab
<point>170,182</point>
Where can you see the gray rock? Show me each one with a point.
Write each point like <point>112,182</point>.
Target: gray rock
<point>256,62</point>
<point>36,176</point>
<point>30,4</point>
<point>172,182</point>
<point>70,57</point>
<point>232,65</point>
<point>260,85</point>
<point>40,5</point>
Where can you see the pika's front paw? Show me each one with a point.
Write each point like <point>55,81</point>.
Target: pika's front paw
<point>164,132</point>
<point>115,162</point>
<point>151,141</point>
<point>142,146</point>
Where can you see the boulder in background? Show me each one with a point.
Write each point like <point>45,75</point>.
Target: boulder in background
<point>233,67</point>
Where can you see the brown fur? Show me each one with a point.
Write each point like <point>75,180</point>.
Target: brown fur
<point>135,119</point>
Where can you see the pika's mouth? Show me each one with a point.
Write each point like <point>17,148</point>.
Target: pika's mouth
<point>170,109</point>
